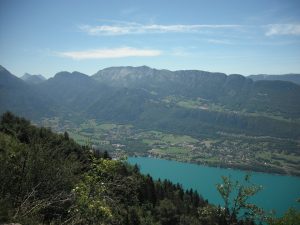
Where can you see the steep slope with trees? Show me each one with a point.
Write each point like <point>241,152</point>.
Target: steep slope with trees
<point>48,178</point>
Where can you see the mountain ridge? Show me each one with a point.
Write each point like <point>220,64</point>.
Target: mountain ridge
<point>18,96</point>
<point>132,94</point>
<point>294,78</point>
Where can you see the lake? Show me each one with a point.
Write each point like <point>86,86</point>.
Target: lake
<point>279,192</point>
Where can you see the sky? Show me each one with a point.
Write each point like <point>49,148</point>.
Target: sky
<point>230,36</point>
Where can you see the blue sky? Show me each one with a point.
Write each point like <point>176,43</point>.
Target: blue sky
<point>231,36</point>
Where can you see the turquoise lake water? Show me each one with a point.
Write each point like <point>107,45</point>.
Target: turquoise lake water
<point>279,192</point>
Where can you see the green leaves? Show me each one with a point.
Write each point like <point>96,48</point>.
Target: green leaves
<point>37,170</point>
<point>291,217</point>
<point>236,196</point>
<point>89,201</point>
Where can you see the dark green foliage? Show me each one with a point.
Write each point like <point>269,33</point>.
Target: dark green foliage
<point>47,178</point>
<point>38,169</point>
<point>167,212</point>
<point>291,217</point>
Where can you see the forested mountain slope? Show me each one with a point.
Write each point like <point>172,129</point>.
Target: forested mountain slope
<point>295,78</point>
<point>234,91</point>
<point>48,178</point>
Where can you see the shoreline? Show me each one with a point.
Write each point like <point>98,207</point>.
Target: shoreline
<point>215,165</point>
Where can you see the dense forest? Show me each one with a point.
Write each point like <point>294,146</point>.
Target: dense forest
<point>47,178</point>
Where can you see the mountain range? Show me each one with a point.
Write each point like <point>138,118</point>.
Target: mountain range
<point>186,101</point>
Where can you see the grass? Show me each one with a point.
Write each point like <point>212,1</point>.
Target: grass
<point>177,139</point>
<point>107,126</point>
<point>175,150</point>
<point>154,137</point>
<point>188,104</point>
<point>79,138</point>
<point>152,142</point>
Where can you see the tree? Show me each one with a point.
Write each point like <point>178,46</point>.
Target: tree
<point>66,135</point>
<point>291,217</point>
<point>236,196</point>
<point>167,212</point>
<point>211,214</point>
<point>106,155</point>
<point>37,171</point>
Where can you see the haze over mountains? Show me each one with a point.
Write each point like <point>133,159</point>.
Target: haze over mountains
<point>33,79</point>
<point>295,78</point>
<point>189,101</point>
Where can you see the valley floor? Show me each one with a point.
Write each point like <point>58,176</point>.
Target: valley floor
<point>263,154</point>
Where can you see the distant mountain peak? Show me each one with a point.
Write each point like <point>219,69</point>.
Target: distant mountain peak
<point>3,69</point>
<point>128,72</point>
<point>66,74</point>
<point>33,79</point>
<point>61,73</point>
<point>9,80</point>
<point>129,67</point>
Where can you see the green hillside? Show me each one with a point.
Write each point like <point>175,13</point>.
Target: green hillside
<point>47,178</point>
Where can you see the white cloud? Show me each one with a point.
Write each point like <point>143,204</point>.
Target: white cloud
<point>135,28</point>
<point>283,29</point>
<point>110,53</point>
